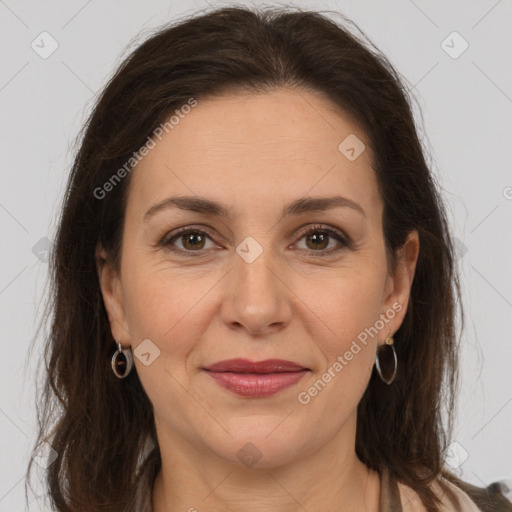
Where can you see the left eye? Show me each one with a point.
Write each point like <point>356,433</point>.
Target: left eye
<point>318,239</point>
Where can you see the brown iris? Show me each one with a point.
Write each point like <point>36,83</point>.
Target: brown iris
<point>189,239</point>
<point>318,238</point>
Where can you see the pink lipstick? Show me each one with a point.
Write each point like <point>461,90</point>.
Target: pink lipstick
<point>256,378</point>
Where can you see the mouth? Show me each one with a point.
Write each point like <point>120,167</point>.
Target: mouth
<point>256,378</point>
<point>260,367</point>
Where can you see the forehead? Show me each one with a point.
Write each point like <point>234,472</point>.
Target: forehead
<point>259,147</point>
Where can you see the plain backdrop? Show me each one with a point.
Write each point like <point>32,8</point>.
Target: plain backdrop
<point>465,95</point>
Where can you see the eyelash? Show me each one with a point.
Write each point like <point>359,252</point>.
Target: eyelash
<point>167,240</point>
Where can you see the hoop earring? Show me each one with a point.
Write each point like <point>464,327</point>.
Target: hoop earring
<point>386,361</point>
<point>122,361</point>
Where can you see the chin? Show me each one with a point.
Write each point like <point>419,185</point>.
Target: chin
<point>261,444</point>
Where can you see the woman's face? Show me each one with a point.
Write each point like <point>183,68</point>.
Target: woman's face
<point>268,280</point>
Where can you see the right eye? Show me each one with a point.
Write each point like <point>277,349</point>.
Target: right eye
<point>191,240</point>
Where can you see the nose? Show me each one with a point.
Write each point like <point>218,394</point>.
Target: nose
<point>257,298</point>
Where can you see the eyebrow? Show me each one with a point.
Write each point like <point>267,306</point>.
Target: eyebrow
<point>206,206</point>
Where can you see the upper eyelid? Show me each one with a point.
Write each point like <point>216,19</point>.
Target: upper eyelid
<point>304,231</point>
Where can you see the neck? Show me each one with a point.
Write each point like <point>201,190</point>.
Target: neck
<point>329,479</point>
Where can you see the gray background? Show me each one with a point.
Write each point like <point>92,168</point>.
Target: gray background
<point>466,105</point>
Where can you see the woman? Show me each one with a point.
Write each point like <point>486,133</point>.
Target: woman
<point>254,284</point>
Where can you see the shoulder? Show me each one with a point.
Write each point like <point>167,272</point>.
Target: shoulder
<point>452,498</point>
<point>463,497</point>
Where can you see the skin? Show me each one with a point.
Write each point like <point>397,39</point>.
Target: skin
<point>255,154</point>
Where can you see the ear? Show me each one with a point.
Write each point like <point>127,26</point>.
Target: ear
<point>398,286</point>
<point>112,292</point>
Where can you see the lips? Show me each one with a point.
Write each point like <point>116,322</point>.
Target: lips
<point>256,379</point>
<point>246,366</point>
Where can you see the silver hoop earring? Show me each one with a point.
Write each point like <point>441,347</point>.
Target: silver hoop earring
<point>122,361</point>
<point>386,361</point>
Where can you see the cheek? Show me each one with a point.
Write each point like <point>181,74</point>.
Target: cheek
<point>351,312</point>
<point>164,314</point>
<point>347,355</point>
<point>346,306</point>
<point>168,308</point>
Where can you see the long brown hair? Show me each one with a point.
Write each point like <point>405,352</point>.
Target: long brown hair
<point>99,425</point>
